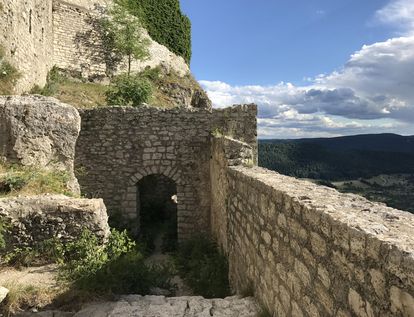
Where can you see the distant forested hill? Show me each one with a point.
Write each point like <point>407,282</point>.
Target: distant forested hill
<point>342,158</point>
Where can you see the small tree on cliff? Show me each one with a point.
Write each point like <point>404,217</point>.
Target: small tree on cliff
<point>124,34</point>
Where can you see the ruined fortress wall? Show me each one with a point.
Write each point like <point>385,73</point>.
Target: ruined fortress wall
<point>119,146</point>
<point>26,35</point>
<point>238,122</point>
<point>307,250</point>
<point>38,34</point>
<point>78,43</point>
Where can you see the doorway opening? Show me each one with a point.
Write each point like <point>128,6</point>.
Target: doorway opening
<point>157,213</point>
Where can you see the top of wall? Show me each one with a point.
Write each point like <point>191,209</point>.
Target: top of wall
<point>357,214</point>
<point>87,4</point>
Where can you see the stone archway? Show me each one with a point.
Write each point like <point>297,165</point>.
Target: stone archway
<point>131,201</point>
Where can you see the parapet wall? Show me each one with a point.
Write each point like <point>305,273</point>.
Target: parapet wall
<point>308,250</point>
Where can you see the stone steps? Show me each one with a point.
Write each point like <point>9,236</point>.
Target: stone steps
<point>160,306</point>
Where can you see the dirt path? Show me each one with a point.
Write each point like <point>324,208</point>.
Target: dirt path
<point>158,257</point>
<point>42,276</point>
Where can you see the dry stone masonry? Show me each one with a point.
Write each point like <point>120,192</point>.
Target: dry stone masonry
<point>118,147</point>
<point>307,250</point>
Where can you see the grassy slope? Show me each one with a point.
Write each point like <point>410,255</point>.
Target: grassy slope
<point>17,180</point>
<point>90,95</point>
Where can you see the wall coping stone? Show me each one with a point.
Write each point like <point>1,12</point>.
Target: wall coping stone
<point>389,225</point>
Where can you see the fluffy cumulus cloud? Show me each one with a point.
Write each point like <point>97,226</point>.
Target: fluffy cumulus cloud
<point>373,92</point>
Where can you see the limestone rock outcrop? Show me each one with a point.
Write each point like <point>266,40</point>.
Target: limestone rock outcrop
<point>38,218</point>
<point>39,131</point>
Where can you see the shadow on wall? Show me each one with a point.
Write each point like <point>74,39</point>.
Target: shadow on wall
<point>95,45</point>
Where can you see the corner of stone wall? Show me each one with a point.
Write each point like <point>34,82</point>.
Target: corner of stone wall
<point>225,152</point>
<point>238,122</point>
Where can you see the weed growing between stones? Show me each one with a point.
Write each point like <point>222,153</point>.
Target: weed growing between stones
<point>8,75</point>
<point>203,267</point>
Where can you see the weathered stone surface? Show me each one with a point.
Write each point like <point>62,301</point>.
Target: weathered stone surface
<point>38,218</point>
<point>39,131</point>
<point>3,293</point>
<point>44,33</point>
<point>118,147</point>
<point>159,306</point>
<point>307,249</point>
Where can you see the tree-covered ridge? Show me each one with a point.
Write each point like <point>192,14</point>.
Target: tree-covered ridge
<point>378,167</point>
<point>311,160</point>
<point>165,23</point>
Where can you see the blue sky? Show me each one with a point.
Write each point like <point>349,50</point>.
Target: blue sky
<point>314,67</point>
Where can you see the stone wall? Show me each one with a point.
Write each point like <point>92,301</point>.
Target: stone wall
<point>26,35</point>
<point>238,122</point>
<point>78,43</point>
<point>119,146</point>
<point>308,250</point>
<point>38,34</point>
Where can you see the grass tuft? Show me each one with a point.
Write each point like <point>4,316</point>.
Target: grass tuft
<point>204,267</point>
<point>20,180</point>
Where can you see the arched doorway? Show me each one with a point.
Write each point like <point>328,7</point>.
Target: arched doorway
<point>157,212</point>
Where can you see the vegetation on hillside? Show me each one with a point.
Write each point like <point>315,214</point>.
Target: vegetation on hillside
<point>165,23</point>
<point>129,90</point>
<point>8,75</point>
<point>309,160</point>
<point>83,94</point>
<point>20,180</point>
<point>349,170</point>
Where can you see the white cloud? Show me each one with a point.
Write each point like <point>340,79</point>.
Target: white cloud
<point>373,92</point>
<point>398,13</point>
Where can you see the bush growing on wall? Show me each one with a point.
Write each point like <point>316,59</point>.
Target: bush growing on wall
<point>165,23</point>
<point>8,75</point>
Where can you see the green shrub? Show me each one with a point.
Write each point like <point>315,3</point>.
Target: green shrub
<point>8,75</point>
<point>165,23</point>
<point>127,274</point>
<point>46,252</point>
<point>54,79</point>
<point>117,267</point>
<point>203,267</point>
<point>86,255</point>
<point>129,91</point>
<point>3,229</point>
